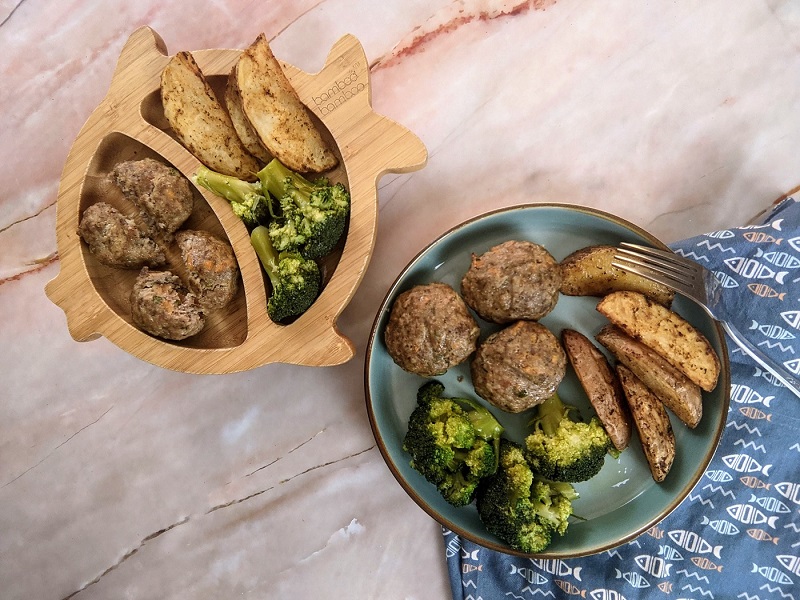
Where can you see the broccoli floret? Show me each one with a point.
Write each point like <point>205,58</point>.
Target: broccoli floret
<point>453,442</point>
<point>562,449</point>
<point>295,280</point>
<point>553,502</point>
<point>248,200</point>
<point>520,507</point>
<point>313,214</point>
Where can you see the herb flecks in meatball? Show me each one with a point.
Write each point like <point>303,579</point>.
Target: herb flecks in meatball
<point>430,330</point>
<point>162,306</point>
<point>518,367</point>
<point>512,281</point>
<point>116,241</point>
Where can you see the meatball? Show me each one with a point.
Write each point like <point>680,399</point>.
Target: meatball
<point>116,241</point>
<point>430,330</point>
<point>161,192</point>
<point>512,281</point>
<point>211,268</point>
<point>162,306</point>
<point>518,367</point>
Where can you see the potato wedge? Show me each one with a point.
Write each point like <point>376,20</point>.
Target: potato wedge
<point>200,121</point>
<point>666,332</point>
<point>652,424</point>
<point>600,384</point>
<point>281,121</point>
<point>242,126</point>
<point>678,393</point>
<point>589,272</point>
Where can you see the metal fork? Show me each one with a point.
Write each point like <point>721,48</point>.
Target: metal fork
<point>700,285</point>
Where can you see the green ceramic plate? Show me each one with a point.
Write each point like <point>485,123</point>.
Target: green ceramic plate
<point>622,501</point>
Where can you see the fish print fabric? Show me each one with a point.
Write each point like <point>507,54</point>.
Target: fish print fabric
<point>737,534</point>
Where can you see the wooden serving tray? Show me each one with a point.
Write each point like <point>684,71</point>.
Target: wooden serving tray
<point>130,124</point>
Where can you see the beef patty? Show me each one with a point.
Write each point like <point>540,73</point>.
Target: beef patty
<point>160,192</point>
<point>512,281</point>
<point>211,268</point>
<point>116,241</point>
<point>162,306</point>
<point>430,330</point>
<point>518,367</point>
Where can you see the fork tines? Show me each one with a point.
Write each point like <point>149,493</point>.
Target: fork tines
<point>660,265</point>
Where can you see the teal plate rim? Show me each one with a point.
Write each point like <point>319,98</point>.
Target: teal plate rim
<point>621,502</point>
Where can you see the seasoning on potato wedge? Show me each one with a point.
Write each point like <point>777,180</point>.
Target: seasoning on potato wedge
<point>666,332</point>
<point>589,272</point>
<point>601,385</point>
<point>652,423</point>
<point>678,393</point>
<point>275,112</point>
<point>242,126</point>
<point>199,120</point>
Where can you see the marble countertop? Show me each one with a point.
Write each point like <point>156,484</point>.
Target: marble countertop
<point>123,479</point>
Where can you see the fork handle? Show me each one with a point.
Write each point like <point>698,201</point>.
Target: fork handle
<point>786,378</point>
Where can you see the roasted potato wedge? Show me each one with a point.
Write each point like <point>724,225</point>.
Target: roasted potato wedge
<point>666,332</point>
<point>276,114</point>
<point>199,120</point>
<point>589,272</point>
<point>652,424</point>
<point>242,126</point>
<point>678,393</point>
<point>600,384</point>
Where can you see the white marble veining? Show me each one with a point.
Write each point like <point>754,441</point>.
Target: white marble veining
<point>121,479</point>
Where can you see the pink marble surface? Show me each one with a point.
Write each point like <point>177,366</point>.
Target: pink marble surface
<point>121,479</point>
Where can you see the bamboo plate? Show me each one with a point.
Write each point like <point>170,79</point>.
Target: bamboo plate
<point>130,124</point>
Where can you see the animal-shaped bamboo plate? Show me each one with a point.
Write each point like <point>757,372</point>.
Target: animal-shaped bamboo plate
<point>130,124</point>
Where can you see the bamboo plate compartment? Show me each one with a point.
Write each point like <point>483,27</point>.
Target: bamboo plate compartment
<point>130,124</point>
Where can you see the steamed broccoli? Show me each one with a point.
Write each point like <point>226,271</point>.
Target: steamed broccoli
<point>295,280</point>
<point>313,214</point>
<point>562,449</point>
<point>248,200</point>
<point>520,507</point>
<point>453,442</point>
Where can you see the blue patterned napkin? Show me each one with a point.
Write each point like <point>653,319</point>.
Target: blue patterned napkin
<point>737,534</point>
